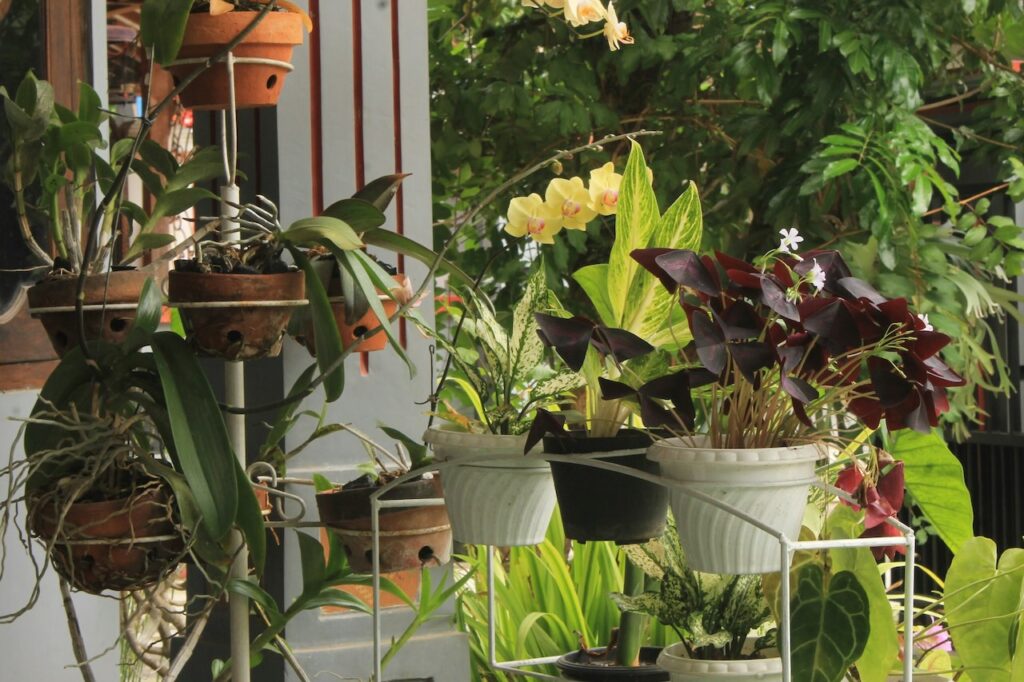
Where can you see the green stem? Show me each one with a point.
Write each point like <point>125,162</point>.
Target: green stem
<point>19,201</point>
<point>57,226</point>
<point>631,625</point>
<point>397,645</point>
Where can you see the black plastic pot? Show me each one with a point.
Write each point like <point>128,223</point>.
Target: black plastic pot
<point>596,504</point>
<point>578,666</point>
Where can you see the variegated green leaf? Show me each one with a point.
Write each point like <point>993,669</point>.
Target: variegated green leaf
<point>650,304</point>
<point>594,280</point>
<point>492,337</point>
<point>525,347</point>
<point>556,385</point>
<point>830,624</point>
<point>635,221</point>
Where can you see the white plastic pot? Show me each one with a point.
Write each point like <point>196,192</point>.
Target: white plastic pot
<point>768,484</point>
<point>499,497</point>
<point>680,668</point>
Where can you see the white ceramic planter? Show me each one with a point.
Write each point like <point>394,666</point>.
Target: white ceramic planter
<point>768,484</point>
<point>498,498</point>
<point>673,660</point>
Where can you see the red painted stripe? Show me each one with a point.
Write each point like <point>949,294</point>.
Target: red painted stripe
<point>396,115</point>
<point>316,126</point>
<point>357,105</point>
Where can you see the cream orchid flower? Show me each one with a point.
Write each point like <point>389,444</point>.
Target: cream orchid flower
<point>572,200</point>
<point>616,31</point>
<point>604,189</point>
<point>580,12</point>
<point>531,216</point>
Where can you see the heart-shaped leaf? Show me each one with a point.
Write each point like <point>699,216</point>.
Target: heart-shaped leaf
<point>686,268</point>
<point>830,624</point>
<point>710,341</point>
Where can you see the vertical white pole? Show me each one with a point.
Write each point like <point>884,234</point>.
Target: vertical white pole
<point>908,609</point>
<point>786,650</point>
<point>375,527</point>
<point>234,380</point>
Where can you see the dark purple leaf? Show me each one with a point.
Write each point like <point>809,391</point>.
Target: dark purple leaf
<point>798,389</point>
<point>940,373</point>
<point>619,343</point>
<point>686,268</point>
<point>568,336</point>
<point>858,288</point>
<point>698,376</point>
<point>750,357</point>
<point>613,390</point>
<point>740,321</point>
<point>868,410</point>
<point>709,340</point>
<point>647,259</point>
<point>833,323</point>
<point>831,262</point>
<point>891,388</point>
<point>927,344</point>
<point>654,414</point>
<point>543,424</point>
<point>774,296</point>
<point>801,413</point>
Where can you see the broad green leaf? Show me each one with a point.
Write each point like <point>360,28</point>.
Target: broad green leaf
<point>358,214</point>
<point>472,395</point>
<point>982,597</point>
<point>196,170</point>
<point>418,452</point>
<point>204,450</point>
<point>249,589</point>
<point>163,27</point>
<point>397,243</point>
<point>325,329</point>
<point>370,277</point>
<point>144,242</point>
<point>322,229</point>
<point>79,132</point>
<point>935,477</point>
<point>173,203</point>
<point>250,520</point>
<point>594,280</point>
<point>636,218</point>
<point>331,596</point>
<point>556,385</point>
<point>312,561</point>
<point>881,651</point>
<point>147,316</point>
<point>89,104</point>
<point>839,167</point>
<point>830,624</point>
<point>380,191</point>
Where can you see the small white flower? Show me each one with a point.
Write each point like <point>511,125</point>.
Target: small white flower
<point>927,325</point>
<point>790,241</point>
<point>816,276</point>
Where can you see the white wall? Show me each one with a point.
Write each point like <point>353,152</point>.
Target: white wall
<point>341,644</point>
<point>37,646</point>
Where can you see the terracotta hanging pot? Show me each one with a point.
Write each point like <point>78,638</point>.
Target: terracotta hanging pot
<point>246,316</point>
<point>121,544</point>
<point>52,302</point>
<point>350,333</point>
<point>409,536</point>
<point>256,84</point>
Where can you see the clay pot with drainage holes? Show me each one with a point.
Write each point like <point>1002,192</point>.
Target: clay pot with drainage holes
<point>247,315</point>
<point>257,83</point>
<point>119,544</point>
<point>410,537</point>
<point>118,291</point>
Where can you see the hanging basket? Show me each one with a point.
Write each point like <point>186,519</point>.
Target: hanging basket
<point>768,484</point>
<point>603,505</point>
<point>261,60</point>
<point>236,317</point>
<point>505,500</point>
<point>410,537</point>
<point>351,333</point>
<point>121,544</point>
<point>111,302</point>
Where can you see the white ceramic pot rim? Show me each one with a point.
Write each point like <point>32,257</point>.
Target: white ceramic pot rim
<point>673,659</point>
<point>484,450</point>
<point>679,450</point>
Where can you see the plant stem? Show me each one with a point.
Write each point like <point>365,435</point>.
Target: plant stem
<point>630,624</point>
<point>77,643</point>
<point>23,224</point>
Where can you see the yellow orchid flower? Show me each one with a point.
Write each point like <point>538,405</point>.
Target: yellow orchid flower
<point>580,12</point>
<point>218,7</point>
<point>572,200</point>
<point>531,216</point>
<point>616,31</point>
<point>604,189</point>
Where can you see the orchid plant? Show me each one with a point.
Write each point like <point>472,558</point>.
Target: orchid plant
<point>581,13</point>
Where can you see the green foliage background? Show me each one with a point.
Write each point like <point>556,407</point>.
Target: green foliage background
<point>849,120</point>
